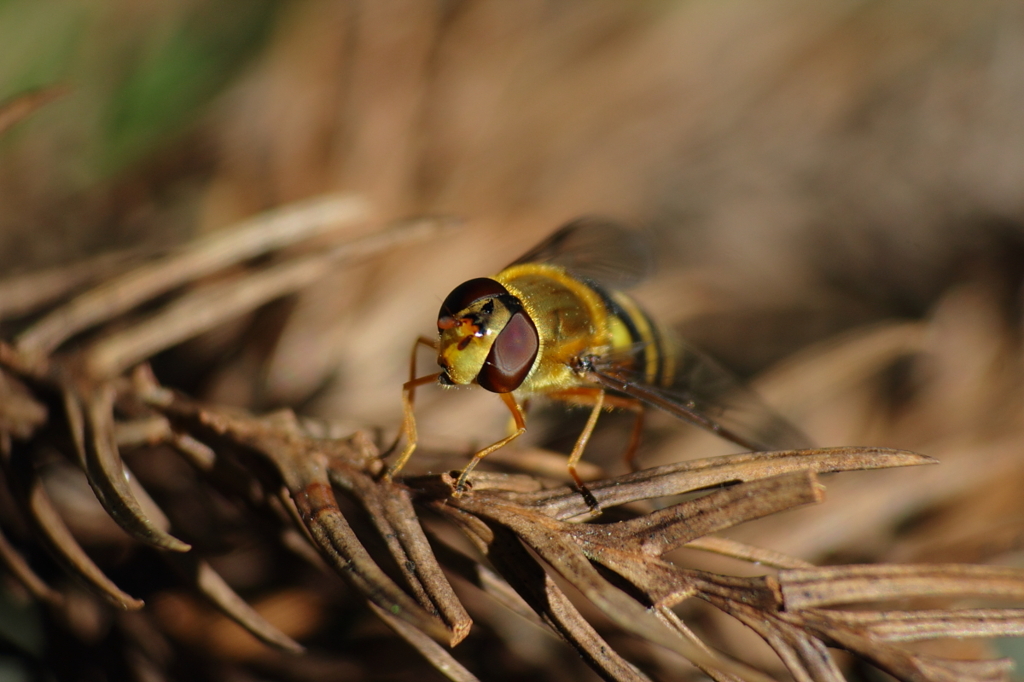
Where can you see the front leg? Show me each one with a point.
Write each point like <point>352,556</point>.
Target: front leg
<point>520,429</point>
<point>408,429</point>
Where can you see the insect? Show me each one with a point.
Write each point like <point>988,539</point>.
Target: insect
<point>555,323</point>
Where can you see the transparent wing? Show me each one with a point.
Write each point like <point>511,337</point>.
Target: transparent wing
<point>703,393</point>
<point>596,249</point>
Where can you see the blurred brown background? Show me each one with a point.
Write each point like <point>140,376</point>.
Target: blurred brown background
<point>835,190</point>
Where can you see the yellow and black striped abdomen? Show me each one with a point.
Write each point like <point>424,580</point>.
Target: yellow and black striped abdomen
<point>635,334</point>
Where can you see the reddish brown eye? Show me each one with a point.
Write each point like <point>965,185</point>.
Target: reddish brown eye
<point>464,296</point>
<point>511,356</point>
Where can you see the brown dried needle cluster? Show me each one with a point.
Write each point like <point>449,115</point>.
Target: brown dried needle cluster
<point>75,387</point>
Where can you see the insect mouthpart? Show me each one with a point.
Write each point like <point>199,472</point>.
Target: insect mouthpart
<point>470,325</point>
<point>444,380</point>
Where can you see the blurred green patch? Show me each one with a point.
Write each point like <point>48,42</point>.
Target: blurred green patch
<point>139,73</point>
<point>163,88</point>
<point>40,40</point>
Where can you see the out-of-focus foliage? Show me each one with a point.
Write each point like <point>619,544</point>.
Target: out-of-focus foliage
<point>138,77</point>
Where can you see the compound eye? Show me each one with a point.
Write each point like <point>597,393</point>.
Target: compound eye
<point>512,355</point>
<point>465,295</point>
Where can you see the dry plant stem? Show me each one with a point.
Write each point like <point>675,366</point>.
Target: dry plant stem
<point>912,626</point>
<point>317,512</point>
<point>20,413</point>
<point>801,652</point>
<point>548,538</point>
<point>626,549</point>
<point>797,633</point>
<point>809,588</point>
<point>807,658</point>
<point>391,511</point>
<point>25,294</point>
<point>674,622</point>
<point>630,615</point>
<point>92,431</point>
<point>674,479</point>
<point>19,568</point>
<point>531,581</point>
<point>442,661</point>
<point>906,665</point>
<point>303,466</point>
<point>207,307</point>
<point>20,107</point>
<point>744,552</point>
<point>89,415</point>
<point>631,548</point>
<point>89,410</point>
<point>262,234</point>
<point>783,609</point>
<point>951,670</point>
<point>672,527</point>
<point>211,585</point>
<point>146,431</point>
<point>340,546</point>
<point>201,456</point>
<point>489,582</point>
<point>54,534</point>
<point>799,636</point>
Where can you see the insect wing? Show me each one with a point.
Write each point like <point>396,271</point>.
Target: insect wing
<point>595,249</point>
<point>705,394</point>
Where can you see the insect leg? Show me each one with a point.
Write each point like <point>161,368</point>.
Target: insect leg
<point>520,420</point>
<point>408,428</point>
<point>587,396</point>
<point>637,408</point>
<point>581,443</point>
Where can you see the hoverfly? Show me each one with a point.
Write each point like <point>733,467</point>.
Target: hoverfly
<point>555,323</point>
